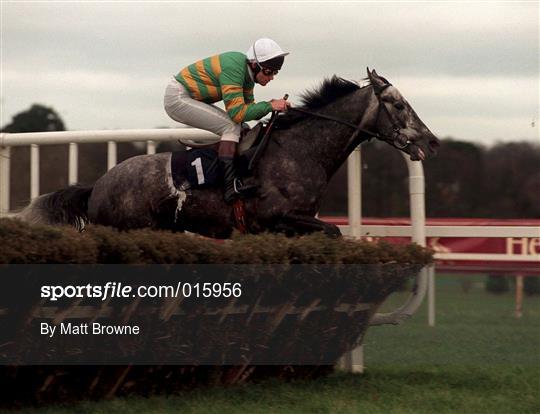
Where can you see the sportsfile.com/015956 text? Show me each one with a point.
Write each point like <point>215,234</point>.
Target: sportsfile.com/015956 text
<point>120,290</point>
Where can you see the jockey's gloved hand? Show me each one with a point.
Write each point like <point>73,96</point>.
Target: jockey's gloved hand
<point>280,105</point>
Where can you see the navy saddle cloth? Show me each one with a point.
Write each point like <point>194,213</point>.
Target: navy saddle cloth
<point>200,167</point>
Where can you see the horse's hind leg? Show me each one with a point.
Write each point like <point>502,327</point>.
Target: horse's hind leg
<point>296,224</point>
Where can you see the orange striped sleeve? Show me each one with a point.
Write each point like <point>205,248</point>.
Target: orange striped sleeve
<point>239,117</point>
<point>231,103</point>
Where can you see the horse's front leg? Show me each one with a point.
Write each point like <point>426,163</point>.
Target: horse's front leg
<point>297,224</point>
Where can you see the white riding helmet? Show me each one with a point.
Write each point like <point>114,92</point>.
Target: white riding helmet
<point>264,49</point>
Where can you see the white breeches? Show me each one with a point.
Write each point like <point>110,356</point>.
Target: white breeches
<point>182,108</point>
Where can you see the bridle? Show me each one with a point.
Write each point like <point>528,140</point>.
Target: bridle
<point>395,139</point>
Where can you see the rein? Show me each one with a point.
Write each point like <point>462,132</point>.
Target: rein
<point>338,120</point>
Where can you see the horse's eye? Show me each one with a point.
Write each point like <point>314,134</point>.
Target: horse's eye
<point>399,106</point>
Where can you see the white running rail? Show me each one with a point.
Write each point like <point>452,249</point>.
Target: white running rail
<point>73,138</point>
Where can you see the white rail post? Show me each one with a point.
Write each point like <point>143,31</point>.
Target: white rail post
<point>150,147</point>
<point>73,166</point>
<point>111,154</point>
<point>34,171</point>
<point>354,187</point>
<point>353,361</point>
<point>418,222</point>
<point>418,229</point>
<point>417,201</point>
<point>5,154</point>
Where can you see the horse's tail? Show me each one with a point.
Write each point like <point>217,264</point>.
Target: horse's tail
<point>66,206</point>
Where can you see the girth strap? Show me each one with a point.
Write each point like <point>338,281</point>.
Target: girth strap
<point>239,210</point>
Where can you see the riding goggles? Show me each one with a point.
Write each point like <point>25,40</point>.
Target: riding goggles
<point>268,72</point>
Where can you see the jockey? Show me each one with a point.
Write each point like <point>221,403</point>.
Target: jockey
<point>231,77</point>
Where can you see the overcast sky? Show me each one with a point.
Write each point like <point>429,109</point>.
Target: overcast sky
<point>470,69</point>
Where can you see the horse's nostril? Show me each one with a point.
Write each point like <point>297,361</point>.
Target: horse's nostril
<point>434,144</point>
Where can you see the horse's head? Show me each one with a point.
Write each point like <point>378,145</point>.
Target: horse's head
<point>398,124</point>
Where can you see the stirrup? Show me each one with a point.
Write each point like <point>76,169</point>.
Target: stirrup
<point>244,190</point>
<point>237,185</point>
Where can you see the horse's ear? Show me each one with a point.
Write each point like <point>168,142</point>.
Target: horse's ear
<point>376,81</point>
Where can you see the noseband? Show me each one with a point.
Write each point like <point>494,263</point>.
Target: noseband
<point>394,140</point>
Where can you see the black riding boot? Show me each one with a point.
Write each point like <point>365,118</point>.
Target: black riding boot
<point>230,181</point>
<point>233,187</point>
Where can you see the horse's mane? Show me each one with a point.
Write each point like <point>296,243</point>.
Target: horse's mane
<point>329,91</point>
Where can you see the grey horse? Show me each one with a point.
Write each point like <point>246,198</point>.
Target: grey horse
<point>305,150</point>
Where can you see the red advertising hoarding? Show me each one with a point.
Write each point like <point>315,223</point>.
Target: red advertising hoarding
<point>516,246</point>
